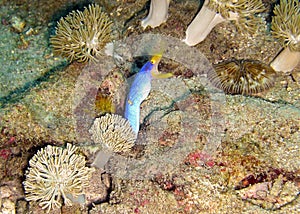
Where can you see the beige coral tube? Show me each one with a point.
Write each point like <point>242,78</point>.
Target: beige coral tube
<point>158,13</point>
<point>202,25</point>
<point>286,60</point>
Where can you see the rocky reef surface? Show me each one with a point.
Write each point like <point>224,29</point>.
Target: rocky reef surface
<point>254,167</point>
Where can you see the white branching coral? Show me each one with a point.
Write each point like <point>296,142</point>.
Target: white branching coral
<point>54,174</point>
<point>286,28</point>
<point>113,132</point>
<point>213,12</point>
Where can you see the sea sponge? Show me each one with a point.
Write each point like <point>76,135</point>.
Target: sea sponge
<point>244,76</point>
<point>158,13</point>
<point>55,173</point>
<point>286,28</point>
<point>214,12</point>
<point>113,133</point>
<point>82,35</point>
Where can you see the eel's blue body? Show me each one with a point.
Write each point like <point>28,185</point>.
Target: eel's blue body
<point>140,90</point>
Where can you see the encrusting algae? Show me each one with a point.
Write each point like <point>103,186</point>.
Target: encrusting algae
<point>54,174</point>
<point>81,36</point>
<point>286,28</point>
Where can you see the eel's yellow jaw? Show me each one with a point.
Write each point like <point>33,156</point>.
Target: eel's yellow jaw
<point>154,72</point>
<point>157,75</point>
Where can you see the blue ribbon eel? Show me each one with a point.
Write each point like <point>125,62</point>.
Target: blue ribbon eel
<point>140,89</point>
